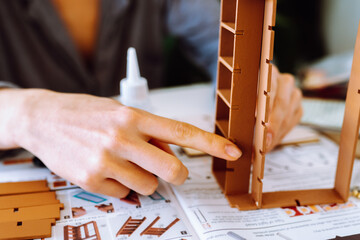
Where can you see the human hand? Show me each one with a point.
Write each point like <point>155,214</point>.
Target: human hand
<point>108,148</point>
<point>285,108</point>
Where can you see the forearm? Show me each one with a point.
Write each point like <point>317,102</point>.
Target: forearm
<point>12,101</point>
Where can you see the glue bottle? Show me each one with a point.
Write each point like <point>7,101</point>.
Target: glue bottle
<point>134,90</point>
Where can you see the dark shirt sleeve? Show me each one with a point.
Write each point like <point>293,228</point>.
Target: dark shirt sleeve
<point>196,24</point>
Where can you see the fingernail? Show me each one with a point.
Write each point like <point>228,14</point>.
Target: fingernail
<point>269,138</point>
<point>233,151</point>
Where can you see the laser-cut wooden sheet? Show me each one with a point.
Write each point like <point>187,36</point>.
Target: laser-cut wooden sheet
<point>244,77</point>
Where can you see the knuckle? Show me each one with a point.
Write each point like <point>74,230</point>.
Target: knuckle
<point>181,181</point>
<point>116,140</point>
<point>128,115</point>
<point>298,94</point>
<point>173,172</point>
<point>98,163</point>
<point>288,78</point>
<point>88,183</point>
<point>124,193</point>
<point>183,130</point>
<point>151,187</point>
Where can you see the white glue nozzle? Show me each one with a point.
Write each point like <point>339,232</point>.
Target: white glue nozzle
<point>132,67</point>
<point>134,91</point>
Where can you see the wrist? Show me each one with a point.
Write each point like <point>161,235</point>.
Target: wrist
<point>16,106</point>
<point>9,108</point>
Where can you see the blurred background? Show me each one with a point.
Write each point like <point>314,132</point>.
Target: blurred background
<point>314,40</point>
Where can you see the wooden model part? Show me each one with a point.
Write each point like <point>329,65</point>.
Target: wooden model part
<point>233,177</point>
<point>350,129</point>
<point>157,231</point>
<point>88,230</point>
<point>23,187</point>
<point>238,65</point>
<point>40,228</point>
<point>130,226</point>
<point>31,213</point>
<point>27,215</point>
<point>27,200</point>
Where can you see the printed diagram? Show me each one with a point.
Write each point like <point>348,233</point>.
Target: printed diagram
<point>107,208</point>
<point>89,204</point>
<point>81,211</point>
<point>130,226</point>
<point>132,199</point>
<point>157,231</point>
<point>78,212</point>
<point>90,197</point>
<point>56,182</point>
<point>156,196</point>
<point>88,230</point>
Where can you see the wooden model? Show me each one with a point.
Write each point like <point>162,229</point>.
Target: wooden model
<point>87,230</point>
<point>244,78</point>
<point>130,226</point>
<point>27,210</point>
<point>157,231</point>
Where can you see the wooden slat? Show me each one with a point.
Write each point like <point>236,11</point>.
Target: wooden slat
<point>23,187</point>
<point>263,102</point>
<point>350,130</point>
<point>28,200</point>
<point>31,213</point>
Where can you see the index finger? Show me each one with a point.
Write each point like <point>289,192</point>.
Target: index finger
<point>186,135</point>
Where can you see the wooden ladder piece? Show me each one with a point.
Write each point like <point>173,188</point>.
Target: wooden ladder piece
<point>23,187</point>
<point>157,231</point>
<point>130,226</point>
<point>40,228</point>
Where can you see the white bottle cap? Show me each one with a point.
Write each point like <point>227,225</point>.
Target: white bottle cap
<point>134,90</point>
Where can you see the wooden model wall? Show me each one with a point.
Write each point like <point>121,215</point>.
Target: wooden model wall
<point>244,78</point>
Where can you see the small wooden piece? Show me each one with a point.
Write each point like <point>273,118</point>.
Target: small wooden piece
<point>23,187</point>
<point>157,231</point>
<point>130,226</point>
<point>40,228</point>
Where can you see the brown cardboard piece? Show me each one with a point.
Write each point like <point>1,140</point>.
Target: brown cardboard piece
<point>244,74</point>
